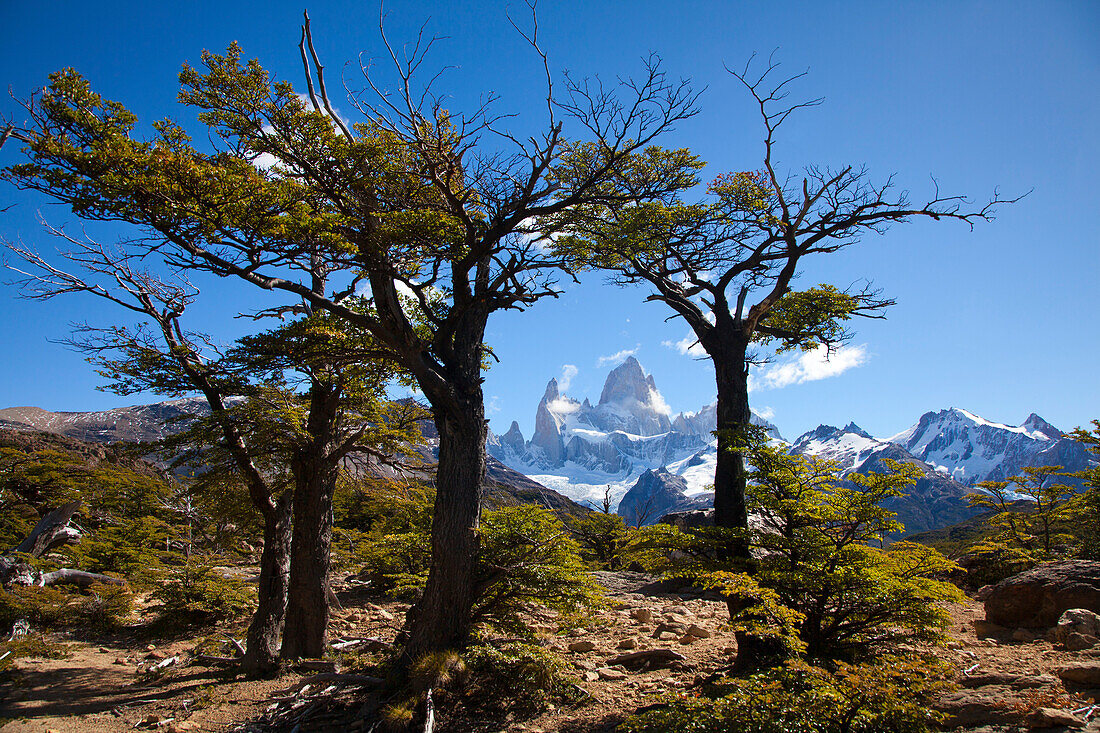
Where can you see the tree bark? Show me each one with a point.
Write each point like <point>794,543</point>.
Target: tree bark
<point>441,619</point>
<point>262,655</point>
<point>733,415</point>
<point>307,612</point>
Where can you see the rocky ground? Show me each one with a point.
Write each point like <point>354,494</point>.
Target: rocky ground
<point>654,639</point>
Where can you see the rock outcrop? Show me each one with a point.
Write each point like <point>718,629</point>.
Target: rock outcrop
<point>1037,598</point>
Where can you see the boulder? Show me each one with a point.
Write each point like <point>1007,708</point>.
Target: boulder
<point>1081,673</point>
<point>1080,642</point>
<point>582,646</point>
<point>1037,598</point>
<point>1053,718</point>
<point>1076,621</point>
<point>970,708</point>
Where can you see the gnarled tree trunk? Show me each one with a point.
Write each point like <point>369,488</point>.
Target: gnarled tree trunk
<point>441,619</point>
<point>307,610</point>
<point>262,649</point>
<point>733,414</point>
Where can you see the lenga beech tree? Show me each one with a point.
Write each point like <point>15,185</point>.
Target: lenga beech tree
<point>426,213</point>
<point>726,264</point>
<point>287,408</point>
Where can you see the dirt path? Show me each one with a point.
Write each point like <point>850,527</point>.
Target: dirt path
<point>97,689</point>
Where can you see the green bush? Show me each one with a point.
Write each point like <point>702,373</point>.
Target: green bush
<point>134,548</point>
<point>521,677</point>
<point>813,541</point>
<point>31,645</point>
<point>196,593</point>
<point>396,563</point>
<point>606,543</point>
<point>527,560</point>
<point>99,608</point>
<point>991,561</point>
<point>893,695</point>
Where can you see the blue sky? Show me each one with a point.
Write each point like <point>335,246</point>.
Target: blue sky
<point>979,94</point>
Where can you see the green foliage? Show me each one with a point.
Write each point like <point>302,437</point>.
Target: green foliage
<point>396,563</point>
<point>603,537</point>
<point>1084,510</point>
<point>31,645</point>
<point>893,695</point>
<point>991,561</point>
<point>41,473</point>
<point>135,548</point>
<point>101,607</point>
<point>608,544</point>
<point>813,537</point>
<point>1035,529</point>
<point>196,593</point>
<point>517,676</point>
<point>762,614</point>
<point>527,559</point>
<point>384,529</point>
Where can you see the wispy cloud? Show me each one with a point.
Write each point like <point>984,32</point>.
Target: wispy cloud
<point>688,345</point>
<point>494,405</point>
<point>765,412</point>
<point>616,357</point>
<point>809,367</point>
<point>568,371</point>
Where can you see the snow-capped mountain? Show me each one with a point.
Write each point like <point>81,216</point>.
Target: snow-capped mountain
<point>934,500</point>
<point>581,449</point>
<point>657,493</point>
<point>970,448</point>
<point>142,423</point>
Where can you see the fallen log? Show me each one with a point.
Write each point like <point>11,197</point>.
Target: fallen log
<point>52,531</point>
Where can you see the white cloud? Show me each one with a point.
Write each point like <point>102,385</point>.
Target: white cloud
<point>563,406</point>
<point>687,345</point>
<point>765,412</point>
<point>568,371</point>
<point>657,400</point>
<point>616,357</point>
<point>809,367</point>
<point>494,405</point>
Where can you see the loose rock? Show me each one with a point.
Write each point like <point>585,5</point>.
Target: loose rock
<point>1054,718</point>
<point>699,632</point>
<point>1081,673</point>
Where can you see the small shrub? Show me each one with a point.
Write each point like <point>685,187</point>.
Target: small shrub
<point>42,607</point>
<point>893,695</point>
<point>135,549</point>
<point>527,562</point>
<point>100,608</point>
<point>104,607</point>
<point>813,543</point>
<point>521,677</point>
<point>397,563</point>
<point>196,593</point>
<point>990,561</point>
<point>32,645</point>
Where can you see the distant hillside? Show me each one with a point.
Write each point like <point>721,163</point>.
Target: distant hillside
<point>135,424</point>
<point>88,432</point>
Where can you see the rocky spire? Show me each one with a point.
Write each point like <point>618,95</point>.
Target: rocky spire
<point>547,435</point>
<point>626,381</point>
